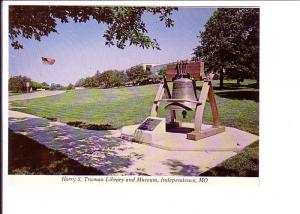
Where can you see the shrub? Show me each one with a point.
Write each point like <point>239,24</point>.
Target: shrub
<point>18,83</point>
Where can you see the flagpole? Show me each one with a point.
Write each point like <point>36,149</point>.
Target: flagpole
<point>48,61</point>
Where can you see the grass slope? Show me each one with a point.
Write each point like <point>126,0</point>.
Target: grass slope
<point>126,106</point>
<point>238,107</point>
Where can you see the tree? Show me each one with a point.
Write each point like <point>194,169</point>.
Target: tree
<point>148,68</point>
<point>251,43</point>
<point>120,78</point>
<point>45,84</point>
<point>112,78</point>
<point>70,86</point>
<point>137,74</point>
<point>104,80</point>
<point>97,78</point>
<point>54,86</point>
<point>90,82</point>
<point>198,53</point>
<point>162,72</point>
<point>80,83</point>
<point>124,24</point>
<point>18,83</point>
<point>35,85</point>
<point>230,42</point>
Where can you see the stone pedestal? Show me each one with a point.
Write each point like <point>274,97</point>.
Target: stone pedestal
<point>150,130</point>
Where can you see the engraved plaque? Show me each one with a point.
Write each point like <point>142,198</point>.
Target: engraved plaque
<point>150,124</point>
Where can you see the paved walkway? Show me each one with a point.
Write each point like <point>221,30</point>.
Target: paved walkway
<point>37,94</point>
<point>105,151</point>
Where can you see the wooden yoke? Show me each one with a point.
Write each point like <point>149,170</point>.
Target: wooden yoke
<point>199,133</point>
<point>195,69</point>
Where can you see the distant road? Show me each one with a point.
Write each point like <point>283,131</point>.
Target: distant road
<point>34,95</point>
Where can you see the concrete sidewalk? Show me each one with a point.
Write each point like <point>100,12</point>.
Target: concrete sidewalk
<point>37,94</point>
<point>105,151</point>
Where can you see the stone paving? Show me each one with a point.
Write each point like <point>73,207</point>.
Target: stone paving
<point>105,151</point>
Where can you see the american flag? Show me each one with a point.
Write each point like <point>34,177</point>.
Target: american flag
<point>48,61</point>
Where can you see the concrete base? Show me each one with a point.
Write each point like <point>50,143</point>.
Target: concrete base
<point>147,136</point>
<point>231,140</point>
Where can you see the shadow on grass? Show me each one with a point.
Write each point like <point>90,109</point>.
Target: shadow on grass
<point>222,172</point>
<point>236,93</point>
<point>244,164</point>
<point>91,148</point>
<point>232,86</point>
<point>26,156</point>
<point>240,95</point>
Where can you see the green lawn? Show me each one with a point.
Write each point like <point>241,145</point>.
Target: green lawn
<point>238,106</point>
<point>130,105</point>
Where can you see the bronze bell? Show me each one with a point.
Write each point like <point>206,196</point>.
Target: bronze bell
<point>183,89</point>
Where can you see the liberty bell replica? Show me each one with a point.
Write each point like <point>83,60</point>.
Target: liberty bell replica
<point>183,98</point>
<point>184,95</point>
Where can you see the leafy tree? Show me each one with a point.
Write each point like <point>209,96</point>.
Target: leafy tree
<point>70,87</point>
<point>112,78</point>
<point>54,86</point>
<point>18,83</point>
<point>154,78</point>
<point>137,74</point>
<point>148,68</point>
<point>36,85</point>
<point>162,72</point>
<point>198,53</point>
<point>97,78</point>
<point>45,84</point>
<point>90,82</point>
<point>120,78</point>
<point>251,43</point>
<point>104,79</point>
<point>125,25</point>
<point>230,42</point>
<point>80,83</point>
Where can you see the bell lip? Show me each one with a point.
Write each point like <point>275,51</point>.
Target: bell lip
<point>180,105</point>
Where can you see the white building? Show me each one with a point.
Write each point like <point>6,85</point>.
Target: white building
<point>147,64</point>
<point>154,67</point>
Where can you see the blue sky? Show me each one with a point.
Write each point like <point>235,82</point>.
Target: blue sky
<point>79,49</point>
